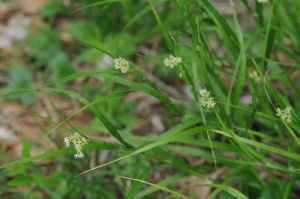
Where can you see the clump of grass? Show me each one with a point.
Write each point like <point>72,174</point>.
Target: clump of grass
<point>229,134</point>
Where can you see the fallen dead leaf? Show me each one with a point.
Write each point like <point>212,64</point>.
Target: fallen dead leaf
<point>194,183</point>
<point>30,6</point>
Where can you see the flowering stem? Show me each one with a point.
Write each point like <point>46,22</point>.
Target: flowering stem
<point>291,132</point>
<point>232,135</point>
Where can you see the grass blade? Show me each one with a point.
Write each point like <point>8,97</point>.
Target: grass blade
<point>239,69</point>
<point>140,14</point>
<point>189,123</point>
<point>105,98</point>
<point>251,116</point>
<point>103,146</point>
<point>138,73</point>
<point>146,89</point>
<point>232,135</point>
<point>169,181</point>
<point>260,13</point>
<point>26,148</point>
<point>137,185</point>
<point>228,35</point>
<point>162,27</point>
<point>173,138</point>
<point>235,193</point>
<point>177,162</point>
<point>95,110</point>
<point>154,185</point>
<point>288,190</point>
<point>281,152</point>
<point>96,4</point>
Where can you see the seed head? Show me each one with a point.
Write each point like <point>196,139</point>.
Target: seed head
<point>206,100</point>
<point>78,141</point>
<point>255,76</point>
<point>172,61</point>
<point>121,63</point>
<point>204,93</point>
<point>66,141</point>
<point>285,114</point>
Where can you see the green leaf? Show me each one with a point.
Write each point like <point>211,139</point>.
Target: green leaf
<point>217,145</point>
<point>177,162</point>
<point>239,69</point>
<point>264,146</point>
<point>19,181</point>
<point>260,13</point>
<point>106,74</point>
<point>166,182</point>
<point>60,68</point>
<point>103,146</point>
<point>139,14</point>
<point>19,79</point>
<point>229,37</point>
<point>251,116</point>
<point>40,181</point>
<point>105,98</point>
<point>95,110</point>
<point>162,27</point>
<point>288,190</point>
<point>146,89</point>
<point>270,42</point>
<point>20,169</point>
<point>249,7</point>
<point>62,188</point>
<point>270,37</point>
<point>139,74</point>
<point>84,30</point>
<point>184,125</point>
<point>137,185</point>
<point>96,4</point>
<point>229,190</point>
<point>208,82</point>
<point>166,140</point>
<point>26,148</point>
<point>266,194</point>
<point>154,185</point>
<point>50,10</point>
<point>43,44</point>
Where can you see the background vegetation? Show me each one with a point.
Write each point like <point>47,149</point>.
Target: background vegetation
<point>148,134</point>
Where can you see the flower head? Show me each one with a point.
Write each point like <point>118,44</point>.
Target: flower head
<point>262,1</point>
<point>285,114</point>
<point>204,93</point>
<point>121,63</point>
<point>206,100</point>
<point>172,61</point>
<point>66,141</point>
<point>255,76</point>
<point>78,141</point>
<point>79,155</point>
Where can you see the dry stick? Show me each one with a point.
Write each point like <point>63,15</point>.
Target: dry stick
<point>162,85</point>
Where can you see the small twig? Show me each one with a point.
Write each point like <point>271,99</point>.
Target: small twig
<point>160,84</point>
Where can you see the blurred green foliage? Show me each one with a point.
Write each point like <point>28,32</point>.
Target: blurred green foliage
<point>229,52</point>
<point>20,79</point>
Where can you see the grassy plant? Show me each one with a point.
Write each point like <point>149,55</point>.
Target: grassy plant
<point>254,146</point>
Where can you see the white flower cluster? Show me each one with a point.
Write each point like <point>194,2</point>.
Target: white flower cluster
<point>255,76</point>
<point>285,114</point>
<point>121,63</point>
<point>78,142</point>
<point>206,100</point>
<point>172,61</point>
